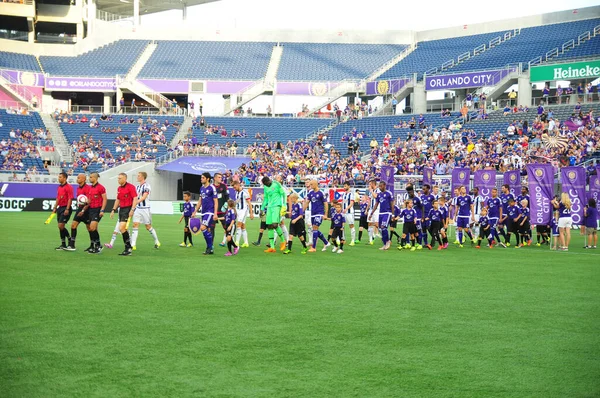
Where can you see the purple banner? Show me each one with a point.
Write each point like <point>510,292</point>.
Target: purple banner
<point>465,80</point>
<point>540,179</point>
<point>382,87</point>
<point>428,176</point>
<point>485,180</point>
<point>199,165</point>
<point>25,78</point>
<point>387,176</point>
<point>460,177</point>
<point>305,88</point>
<point>573,182</point>
<point>513,179</point>
<point>576,124</point>
<point>29,190</point>
<point>594,192</point>
<point>226,87</point>
<point>167,86</point>
<point>81,84</point>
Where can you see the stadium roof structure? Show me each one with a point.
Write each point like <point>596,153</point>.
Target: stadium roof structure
<point>125,7</point>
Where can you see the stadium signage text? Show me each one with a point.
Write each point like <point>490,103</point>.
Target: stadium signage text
<point>14,204</point>
<point>465,80</point>
<point>81,84</point>
<point>578,70</point>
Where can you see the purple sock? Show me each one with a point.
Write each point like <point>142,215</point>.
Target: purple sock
<point>208,238</point>
<point>460,237</point>
<point>315,239</point>
<point>322,237</point>
<point>385,236</point>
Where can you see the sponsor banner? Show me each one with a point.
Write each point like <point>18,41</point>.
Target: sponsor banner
<point>428,176</point>
<point>58,83</point>
<point>513,179</point>
<point>485,180</point>
<point>47,204</point>
<point>594,192</point>
<point>466,80</point>
<point>198,165</point>
<point>567,71</point>
<point>226,87</point>
<point>460,176</point>
<point>29,190</point>
<point>382,87</point>
<point>540,178</point>
<point>25,78</point>
<point>318,89</point>
<point>167,86</point>
<point>573,182</point>
<point>14,204</point>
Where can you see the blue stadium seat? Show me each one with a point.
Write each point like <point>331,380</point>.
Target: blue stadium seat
<point>25,62</point>
<point>24,123</point>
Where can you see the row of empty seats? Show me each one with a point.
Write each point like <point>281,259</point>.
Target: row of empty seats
<point>17,61</point>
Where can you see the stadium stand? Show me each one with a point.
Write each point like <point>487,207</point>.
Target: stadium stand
<point>587,49</point>
<point>96,149</point>
<point>19,135</point>
<point>24,62</point>
<point>208,60</point>
<point>529,44</point>
<point>331,61</point>
<point>107,61</point>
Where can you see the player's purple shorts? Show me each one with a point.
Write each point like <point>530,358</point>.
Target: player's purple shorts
<point>462,221</point>
<point>207,219</point>
<point>384,220</point>
<point>493,222</point>
<point>316,220</point>
<point>418,223</point>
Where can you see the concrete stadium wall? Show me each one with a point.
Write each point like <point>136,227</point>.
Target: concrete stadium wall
<point>163,184</point>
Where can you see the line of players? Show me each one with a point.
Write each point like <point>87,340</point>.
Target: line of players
<point>132,203</point>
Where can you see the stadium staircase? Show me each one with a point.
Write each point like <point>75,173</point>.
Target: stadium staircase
<point>17,91</point>
<point>183,131</point>
<point>385,67</point>
<point>130,82</point>
<point>61,144</point>
<point>259,87</point>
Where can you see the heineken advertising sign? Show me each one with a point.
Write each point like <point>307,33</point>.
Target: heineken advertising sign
<point>577,70</point>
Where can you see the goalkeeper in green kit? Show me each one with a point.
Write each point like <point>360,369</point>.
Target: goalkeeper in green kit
<point>275,202</point>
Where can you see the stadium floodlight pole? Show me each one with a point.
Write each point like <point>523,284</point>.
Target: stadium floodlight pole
<point>136,13</point>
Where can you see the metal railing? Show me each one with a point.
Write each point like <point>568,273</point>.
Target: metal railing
<point>17,88</point>
<point>15,105</point>
<point>110,17</point>
<point>566,46</point>
<point>570,99</point>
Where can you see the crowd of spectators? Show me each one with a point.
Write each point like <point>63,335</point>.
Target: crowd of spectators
<point>21,145</point>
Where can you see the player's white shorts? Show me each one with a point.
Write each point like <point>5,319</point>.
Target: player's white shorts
<point>242,215</point>
<point>142,216</point>
<point>476,217</point>
<point>307,218</point>
<point>565,222</point>
<point>350,218</point>
<point>374,218</point>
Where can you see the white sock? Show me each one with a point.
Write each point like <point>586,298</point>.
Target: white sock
<point>224,238</point>
<point>245,236</point>
<point>114,237</point>
<point>153,233</point>
<point>134,234</point>
<point>456,233</point>
<point>370,230</point>
<point>238,235</point>
<point>286,234</point>
<point>352,234</point>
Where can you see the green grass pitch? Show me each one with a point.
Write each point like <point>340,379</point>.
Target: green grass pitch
<point>172,322</point>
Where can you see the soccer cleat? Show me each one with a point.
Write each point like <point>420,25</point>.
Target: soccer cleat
<point>69,249</point>
<point>108,245</point>
<point>477,247</point>
<point>419,247</point>
<point>304,251</point>
<point>371,243</point>
<point>357,241</point>
<point>61,247</point>
<point>270,250</point>
<point>287,251</point>
<point>222,244</point>
<point>340,251</point>
<point>324,249</point>
<point>134,248</point>
<point>400,248</point>
<point>428,246</point>
<point>460,245</point>
<point>236,250</point>
<point>255,243</point>
<point>190,245</point>
<point>538,244</point>
<point>412,249</point>
<point>502,244</point>
<point>182,244</point>
<point>126,252</point>
<point>93,251</point>
<point>88,249</point>
<point>228,254</point>
<point>334,250</point>
<point>157,245</point>
<point>208,252</point>
<point>507,244</point>
<point>456,242</point>
<point>244,245</point>
<point>441,247</point>
<point>312,250</point>
<point>351,243</point>
<point>282,246</point>
<point>529,242</point>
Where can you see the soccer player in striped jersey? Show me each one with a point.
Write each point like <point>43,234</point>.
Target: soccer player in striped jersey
<point>348,210</point>
<point>478,204</point>
<point>372,192</point>
<point>244,209</point>
<point>142,214</point>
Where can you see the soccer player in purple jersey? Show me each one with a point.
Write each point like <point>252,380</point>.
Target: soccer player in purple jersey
<point>513,214</point>
<point>297,225</point>
<point>409,230</point>
<point>434,218</point>
<point>427,202</point>
<point>464,216</point>
<point>188,210</point>
<point>494,211</point>
<point>229,226</point>
<point>385,205</point>
<point>319,208</point>
<point>338,219</point>
<point>484,229</point>
<point>525,224</point>
<point>505,198</point>
<point>209,204</point>
<point>418,208</point>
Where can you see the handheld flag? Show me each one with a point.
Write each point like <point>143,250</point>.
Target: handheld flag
<point>49,219</point>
